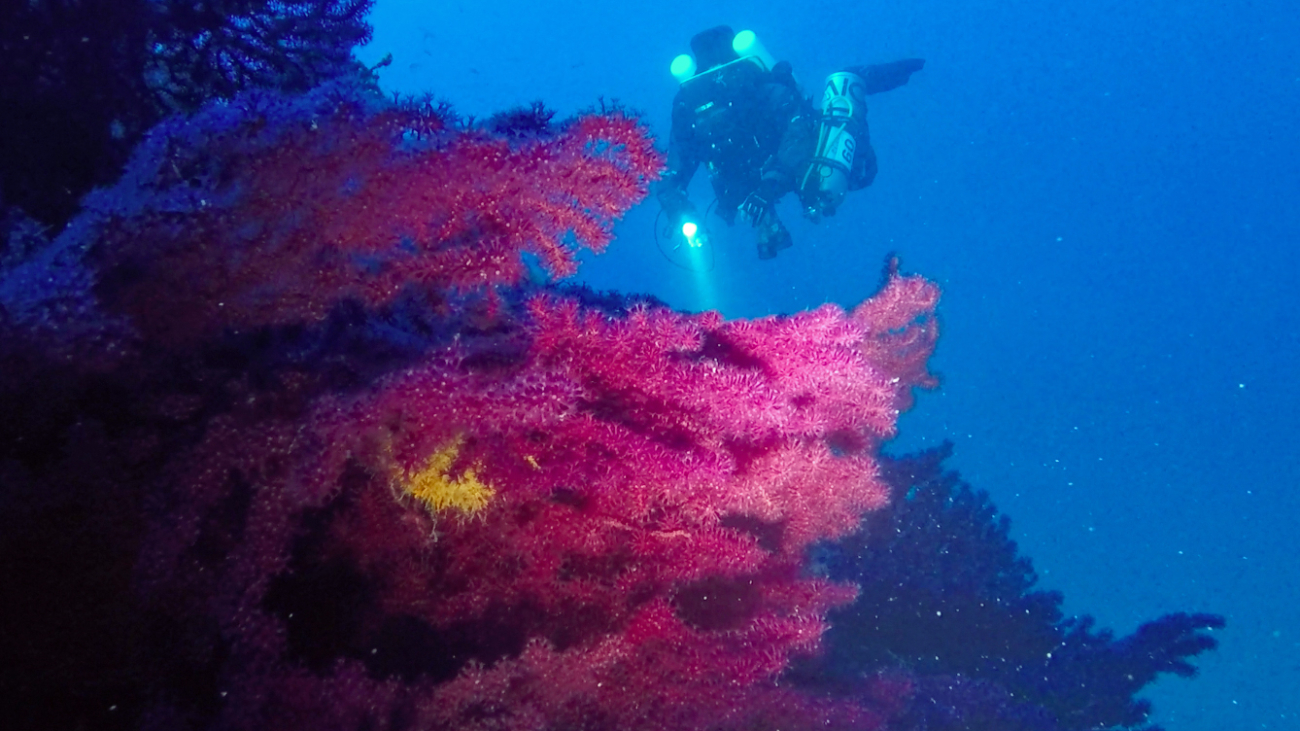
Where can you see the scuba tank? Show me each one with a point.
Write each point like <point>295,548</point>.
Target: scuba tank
<point>844,117</point>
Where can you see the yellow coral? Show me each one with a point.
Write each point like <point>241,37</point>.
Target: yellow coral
<point>439,490</point>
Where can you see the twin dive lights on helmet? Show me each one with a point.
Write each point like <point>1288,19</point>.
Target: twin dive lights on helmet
<point>746,46</point>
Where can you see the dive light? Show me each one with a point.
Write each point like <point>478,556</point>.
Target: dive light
<point>683,67</point>
<point>747,47</point>
<point>694,237</point>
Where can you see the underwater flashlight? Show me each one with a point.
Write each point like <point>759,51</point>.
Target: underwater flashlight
<point>747,46</point>
<point>689,230</point>
<point>697,239</point>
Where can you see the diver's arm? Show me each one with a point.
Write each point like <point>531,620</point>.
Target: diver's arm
<point>798,137</point>
<point>880,77</point>
<point>671,192</point>
<point>671,188</point>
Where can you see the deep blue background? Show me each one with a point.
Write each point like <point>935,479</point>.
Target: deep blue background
<point>1109,194</point>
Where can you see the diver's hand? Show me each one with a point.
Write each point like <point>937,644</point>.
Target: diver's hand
<point>885,76</point>
<point>754,208</point>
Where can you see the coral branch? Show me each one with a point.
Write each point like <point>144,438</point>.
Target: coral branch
<point>272,211</point>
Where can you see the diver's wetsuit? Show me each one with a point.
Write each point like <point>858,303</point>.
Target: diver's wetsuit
<point>744,124</point>
<point>756,132</point>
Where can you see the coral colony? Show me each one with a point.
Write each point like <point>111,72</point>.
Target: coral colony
<point>290,441</point>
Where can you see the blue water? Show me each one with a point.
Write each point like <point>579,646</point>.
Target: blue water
<point>1109,194</point>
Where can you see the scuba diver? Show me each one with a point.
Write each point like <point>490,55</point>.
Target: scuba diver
<point>743,116</point>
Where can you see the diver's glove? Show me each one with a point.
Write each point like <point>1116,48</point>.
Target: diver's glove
<point>758,203</point>
<point>754,208</point>
<point>880,77</point>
